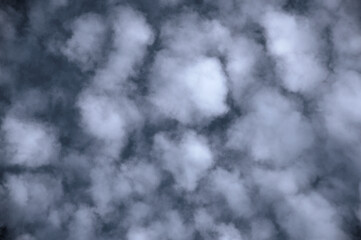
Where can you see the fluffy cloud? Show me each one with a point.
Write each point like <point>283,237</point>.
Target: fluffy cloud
<point>281,183</point>
<point>242,55</point>
<point>131,37</point>
<point>346,36</point>
<point>171,227</point>
<point>188,82</point>
<point>293,43</point>
<point>28,142</point>
<point>273,131</point>
<point>188,159</point>
<point>31,197</point>
<point>176,119</point>
<point>229,232</point>
<point>105,109</point>
<point>232,188</point>
<point>310,216</point>
<point>341,107</point>
<point>82,224</point>
<point>108,120</point>
<point>190,35</point>
<point>190,90</point>
<point>110,184</point>
<point>84,46</point>
<point>207,226</point>
<point>262,229</point>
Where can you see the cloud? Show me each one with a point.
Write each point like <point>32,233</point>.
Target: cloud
<point>242,57</point>
<point>188,82</point>
<point>191,90</point>
<point>111,185</point>
<point>131,37</point>
<point>84,46</point>
<point>293,43</point>
<point>107,120</point>
<point>273,131</point>
<point>208,227</point>
<point>180,120</point>
<point>310,216</point>
<point>229,232</point>
<point>262,230</point>
<point>340,107</point>
<point>171,226</point>
<point>31,197</point>
<point>187,159</point>
<point>29,143</point>
<point>188,34</point>
<point>232,188</point>
<point>82,224</point>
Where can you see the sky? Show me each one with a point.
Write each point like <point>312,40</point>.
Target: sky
<point>180,120</point>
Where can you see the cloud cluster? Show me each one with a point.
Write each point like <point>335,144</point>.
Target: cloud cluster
<point>179,119</point>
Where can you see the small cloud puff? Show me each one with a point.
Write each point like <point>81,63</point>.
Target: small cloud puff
<point>29,143</point>
<point>293,43</point>
<point>189,90</point>
<point>85,45</point>
<point>188,159</point>
<point>273,131</point>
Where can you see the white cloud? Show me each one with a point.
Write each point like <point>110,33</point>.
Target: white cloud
<point>188,159</point>
<point>139,212</point>
<point>346,37</point>
<point>280,183</point>
<point>189,90</point>
<point>310,216</point>
<point>203,220</point>
<point>341,108</point>
<point>188,34</point>
<point>173,119</point>
<point>187,80</point>
<point>293,43</point>
<point>32,196</point>
<point>106,112</point>
<point>82,226</point>
<point>241,59</point>
<point>29,143</point>
<point>171,226</point>
<point>228,232</point>
<point>84,46</point>
<point>262,229</point>
<point>273,131</point>
<point>109,119</point>
<point>232,188</point>
<point>175,227</point>
<point>111,185</point>
<point>103,118</point>
<point>131,37</point>
<point>144,233</point>
<point>208,227</point>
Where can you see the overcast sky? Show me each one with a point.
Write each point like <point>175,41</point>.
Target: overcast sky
<point>180,120</point>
